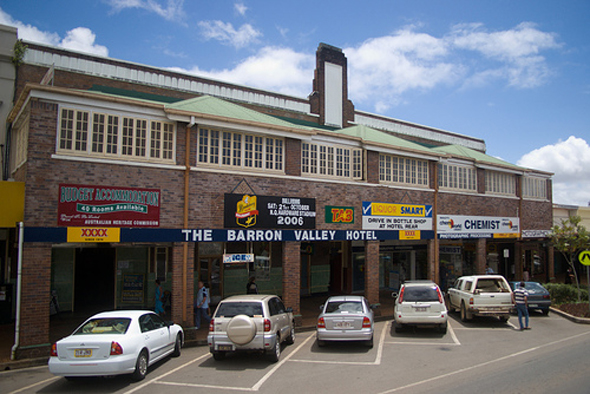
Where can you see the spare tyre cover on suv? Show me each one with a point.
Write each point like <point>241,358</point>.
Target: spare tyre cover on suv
<point>241,329</point>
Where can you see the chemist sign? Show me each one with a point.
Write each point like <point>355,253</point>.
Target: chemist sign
<point>458,226</point>
<point>401,217</point>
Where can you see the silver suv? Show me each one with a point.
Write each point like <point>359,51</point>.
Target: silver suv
<point>251,322</point>
<point>420,303</point>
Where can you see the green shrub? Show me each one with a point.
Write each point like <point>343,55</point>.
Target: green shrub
<point>563,294</point>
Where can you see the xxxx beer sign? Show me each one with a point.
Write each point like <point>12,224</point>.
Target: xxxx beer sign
<point>87,234</point>
<point>246,212</point>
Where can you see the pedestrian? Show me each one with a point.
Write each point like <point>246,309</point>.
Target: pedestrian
<point>158,305</point>
<point>251,287</point>
<point>520,297</point>
<point>569,276</point>
<point>489,270</point>
<point>202,306</point>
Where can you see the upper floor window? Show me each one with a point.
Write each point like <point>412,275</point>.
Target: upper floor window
<point>500,183</point>
<point>457,177</point>
<point>108,135</point>
<point>231,149</point>
<point>402,170</point>
<point>533,187</point>
<point>331,161</point>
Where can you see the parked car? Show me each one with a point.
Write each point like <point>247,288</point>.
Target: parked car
<point>251,322</point>
<point>481,295</point>
<point>539,297</point>
<point>345,318</point>
<point>420,303</point>
<point>116,343</point>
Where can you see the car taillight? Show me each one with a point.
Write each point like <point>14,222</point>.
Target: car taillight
<point>471,301</point>
<point>116,349</point>
<point>366,322</point>
<point>546,297</point>
<point>321,323</point>
<point>53,350</point>
<point>440,297</point>
<point>211,326</point>
<point>400,299</point>
<point>266,325</point>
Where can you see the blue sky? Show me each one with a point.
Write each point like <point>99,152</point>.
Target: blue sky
<point>514,73</point>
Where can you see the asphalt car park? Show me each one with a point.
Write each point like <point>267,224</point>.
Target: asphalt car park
<point>415,360</point>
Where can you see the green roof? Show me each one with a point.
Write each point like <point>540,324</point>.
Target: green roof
<point>224,109</point>
<point>461,151</point>
<point>381,137</point>
<point>133,94</point>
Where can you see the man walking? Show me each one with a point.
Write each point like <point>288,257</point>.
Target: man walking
<point>520,297</point>
<point>202,306</point>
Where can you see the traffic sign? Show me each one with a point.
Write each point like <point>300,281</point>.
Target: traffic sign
<point>584,257</point>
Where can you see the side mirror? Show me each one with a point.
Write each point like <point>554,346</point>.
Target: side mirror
<point>374,306</point>
<point>394,294</point>
<point>289,310</point>
<point>321,307</point>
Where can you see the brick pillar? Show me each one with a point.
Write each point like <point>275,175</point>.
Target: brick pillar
<point>551,263</point>
<point>518,261</point>
<point>292,278</point>
<point>35,297</point>
<point>183,294</point>
<point>433,259</point>
<point>372,271</point>
<point>480,256</point>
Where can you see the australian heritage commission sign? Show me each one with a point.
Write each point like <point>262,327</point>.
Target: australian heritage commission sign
<point>107,206</point>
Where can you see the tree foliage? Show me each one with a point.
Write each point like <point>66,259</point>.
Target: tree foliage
<point>570,239</point>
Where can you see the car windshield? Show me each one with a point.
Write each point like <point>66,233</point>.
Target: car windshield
<point>344,307</point>
<point>104,326</point>
<point>421,293</point>
<point>231,309</point>
<point>534,287</point>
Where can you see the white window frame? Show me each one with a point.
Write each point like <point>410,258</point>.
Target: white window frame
<point>457,177</point>
<point>100,134</point>
<point>331,161</point>
<point>534,187</point>
<point>405,171</point>
<point>236,150</point>
<point>500,183</point>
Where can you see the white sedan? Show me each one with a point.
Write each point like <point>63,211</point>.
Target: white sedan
<point>116,343</point>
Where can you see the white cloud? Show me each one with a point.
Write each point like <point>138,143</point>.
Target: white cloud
<point>272,68</point>
<point>240,8</point>
<point>80,39</point>
<point>570,162</point>
<point>227,34</point>
<point>172,10</point>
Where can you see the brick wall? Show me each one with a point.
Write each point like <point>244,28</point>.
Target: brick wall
<point>292,277</point>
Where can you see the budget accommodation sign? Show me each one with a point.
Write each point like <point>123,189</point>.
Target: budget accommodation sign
<point>107,206</point>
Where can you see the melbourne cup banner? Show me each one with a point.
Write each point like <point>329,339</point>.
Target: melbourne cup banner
<point>107,206</point>
<point>252,211</point>
<point>457,226</point>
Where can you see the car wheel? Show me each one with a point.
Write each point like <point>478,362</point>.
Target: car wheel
<point>398,327</point>
<point>321,343</point>
<point>141,366</point>
<point>465,316</point>
<point>443,328</point>
<point>504,319</point>
<point>369,343</point>
<point>177,346</point>
<point>218,356</point>
<point>545,311</point>
<point>276,351</point>
<point>291,338</point>
<point>73,378</point>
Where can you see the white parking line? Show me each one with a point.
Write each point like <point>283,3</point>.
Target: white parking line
<point>35,384</point>
<point>451,331</point>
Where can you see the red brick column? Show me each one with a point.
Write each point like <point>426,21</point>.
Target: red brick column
<point>372,271</point>
<point>35,297</point>
<point>433,258</point>
<point>480,256</point>
<point>178,251</point>
<point>292,278</point>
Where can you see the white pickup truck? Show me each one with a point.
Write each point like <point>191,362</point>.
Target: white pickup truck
<point>481,295</point>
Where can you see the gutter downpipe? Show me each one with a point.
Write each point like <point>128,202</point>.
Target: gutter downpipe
<point>187,170</point>
<point>18,291</point>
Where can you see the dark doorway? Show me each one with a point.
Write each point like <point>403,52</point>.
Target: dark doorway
<point>94,279</point>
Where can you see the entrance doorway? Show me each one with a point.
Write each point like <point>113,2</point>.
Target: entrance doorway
<point>94,281</point>
<point>209,272</point>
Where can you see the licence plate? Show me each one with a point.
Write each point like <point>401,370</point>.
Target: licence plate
<point>420,308</point>
<point>342,324</point>
<point>224,348</point>
<point>533,305</point>
<point>83,353</point>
